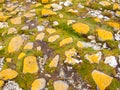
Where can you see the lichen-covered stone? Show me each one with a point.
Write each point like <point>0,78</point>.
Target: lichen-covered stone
<point>104,34</point>
<point>47,12</point>
<point>30,65</point>
<point>82,44</point>
<point>38,84</point>
<point>44,1</point>
<point>29,45</point>
<point>53,38</point>
<point>105,3</point>
<point>102,80</point>
<point>1,83</point>
<point>66,41</point>
<point>113,24</point>
<point>40,36</point>
<point>16,21</point>
<point>15,44</point>
<point>50,30</point>
<point>81,28</point>
<point>21,55</point>
<point>8,74</point>
<point>12,30</point>
<point>55,61</point>
<point>60,85</point>
<point>4,18</point>
<point>95,58</point>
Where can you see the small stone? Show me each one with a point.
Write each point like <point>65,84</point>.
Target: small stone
<point>25,28</point>
<point>55,61</point>
<point>15,44</point>
<point>66,41</point>
<point>113,24</point>
<point>12,30</point>
<point>73,11</point>
<point>30,65</point>
<point>60,85</point>
<point>29,15</point>
<point>16,20</point>
<point>56,7</point>
<point>1,83</point>
<point>70,22</point>
<point>40,28</point>
<point>7,74</point>
<point>117,13</point>
<point>46,12</point>
<point>40,36</point>
<point>48,6</point>
<point>111,60</point>
<point>61,15</point>
<point>53,38</point>
<point>1,14</point>
<point>82,44</point>
<point>67,3</point>
<point>102,80</point>
<point>104,34</point>
<point>38,84</point>
<point>95,58</point>
<point>39,48</point>
<point>44,1</point>
<point>104,3</point>
<point>55,23</point>
<point>116,6</point>
<point>81,28</point>
<point>29,45</point>
<point>4,18</point>
<point>21,55</point>
<point>50,30</point>
<point>8,59</point>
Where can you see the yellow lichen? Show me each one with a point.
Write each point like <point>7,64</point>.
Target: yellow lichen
<point>102,80</point>
<point>8,74</point>
<point>113,24</point>
<point>81,28</point>
<point>47,12</point>
<point>21,55</point>
<point>53,38</point>
<point>104,34</point>
<point>66,41</point>
<point>1,83</point>
<point>4,18</point>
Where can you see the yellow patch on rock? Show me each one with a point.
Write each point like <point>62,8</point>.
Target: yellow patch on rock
<point>45,1</point>
<point>15,44</point>
<point>55,61</point>
<point>47,6</point>
<point>21,55</point>
<point>29,45</point>
<point>113,24</point>
<point>46,12</point>
<point>8,74</point>
<point>80,44</point>
<point>4,18</point>
<point>102,80</point>
<point>50,30</point>
<point>16,20</point>
<point>116,6</point>
<point>95,58</point>
<point>1,83</point>
<point>38,84</point>
<point>40,36</point>
<point>53,38</point>
<point>30,65</point>
<point>104,34</point>
<point>8,59</point>
<point>66,41</point>
<point>81,28</point>
<point>97,19</point>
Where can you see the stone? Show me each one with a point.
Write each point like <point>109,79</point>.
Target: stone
<point>11,85</point>
<point>12,30</point>
<point>82,44</point>
<point>69,22</point>
<point>81,28</point>
<point>8,60</point>
<point>55,23</point>
<point>44,1</point>
<point>111,60</point>
<point>47,12</point>
<point>54,61</point>
<point>69,56</point>
<point>104,34</point>
<point>8,74</point>
<point>48,6</point>
<point>40,36</point>
<point>53,38</point>
<point>61,15</point>
<point>117,13</point>
<point>38,84</point>
<point>21,55</point>
<point>102,80</point>
<point>56,7</point>
<point>30,65</point>
<point>40,28</point>
<point>73,11</point>
<point>1,14</point>
<point>1,83</point>
<point>116,6</point>
<point>1,63</point>
<point>50,30</point>
<point>15,44</point>
<point>29,45</point>
<point>113,24</point>
<point>4,18</point>
<point>60,85</point>
<point>39,48</point>
<point>104,3</point>
<point>66,41</point>
<point>16,20</point>
<point>3,24</point>
<point>95,58</point>
<point>29,15</point>
<point>67,3</point>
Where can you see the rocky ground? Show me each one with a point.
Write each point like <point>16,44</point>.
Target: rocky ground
<point>59,45</point>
